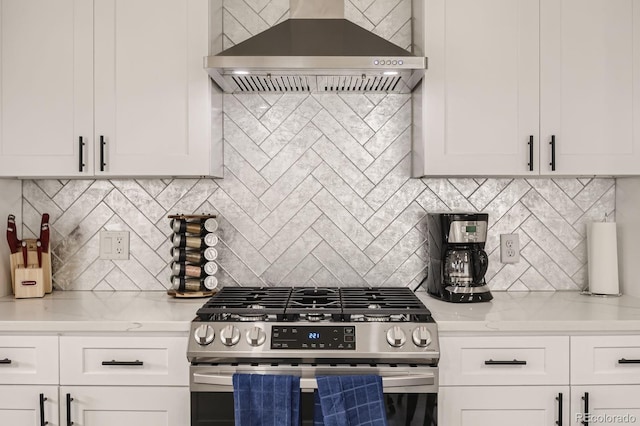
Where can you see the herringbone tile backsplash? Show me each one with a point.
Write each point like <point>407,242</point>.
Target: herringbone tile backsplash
<point>316,192</point>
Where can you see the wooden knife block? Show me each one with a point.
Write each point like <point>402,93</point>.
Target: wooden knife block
<point>30,280</point>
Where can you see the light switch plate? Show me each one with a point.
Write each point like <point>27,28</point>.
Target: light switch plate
<point>114,245</point>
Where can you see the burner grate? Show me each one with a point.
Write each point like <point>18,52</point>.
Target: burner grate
<point>314,304</point>
<point>247,302</point>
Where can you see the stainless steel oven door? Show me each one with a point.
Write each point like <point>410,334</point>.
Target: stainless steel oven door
<point>410,392</point>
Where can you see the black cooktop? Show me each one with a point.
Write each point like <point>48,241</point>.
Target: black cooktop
<point>336,304</point>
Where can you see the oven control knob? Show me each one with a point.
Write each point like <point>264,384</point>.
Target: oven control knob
<point>396,337</point>
<point>230,335</point>
<point>204,334</point>
<point>421,337</point>
<point>255,336</point>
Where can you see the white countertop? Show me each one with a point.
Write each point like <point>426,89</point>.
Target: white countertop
<point>526,312</point>
<point>68,311</point>
<point>553,312</point>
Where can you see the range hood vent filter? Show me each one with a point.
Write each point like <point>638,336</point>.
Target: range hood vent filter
<point>315,84</point>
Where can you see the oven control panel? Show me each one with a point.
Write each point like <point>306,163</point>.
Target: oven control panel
<point>313,337</point>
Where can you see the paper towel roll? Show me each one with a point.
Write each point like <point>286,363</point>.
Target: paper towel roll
<point>602,255</point>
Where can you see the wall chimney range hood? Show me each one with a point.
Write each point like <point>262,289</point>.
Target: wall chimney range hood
<point>316,50</point>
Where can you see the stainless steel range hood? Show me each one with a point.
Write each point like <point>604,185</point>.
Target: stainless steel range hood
<point>317,50</point>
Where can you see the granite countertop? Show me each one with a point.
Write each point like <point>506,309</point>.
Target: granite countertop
<point>517,312</point>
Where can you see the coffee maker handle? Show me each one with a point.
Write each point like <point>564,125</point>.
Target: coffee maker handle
<point>480,265</point>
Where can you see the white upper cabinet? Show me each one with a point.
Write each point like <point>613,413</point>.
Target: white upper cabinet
<point>46,87</point>
<point>126,76</point>
<point>590,86</point>
<point>480,93</point>
<point>152,92</point>
<point>504,73</point>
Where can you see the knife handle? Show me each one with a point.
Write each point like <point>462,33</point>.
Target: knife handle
<point>24,253</point>
<point>44,232</point>
<point>12,235</point>
<point>39,251</point>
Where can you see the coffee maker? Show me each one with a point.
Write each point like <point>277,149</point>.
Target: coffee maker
<point>457,260</point>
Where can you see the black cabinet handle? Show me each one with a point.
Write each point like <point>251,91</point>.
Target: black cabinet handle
<point>69,399</point>
<point>530,163</point>
<point>114,362</point>
<point>81,157</point>
<point>5,361</point>
<point>42,400</point>
<point>553,153</point>
<point>102,144</point>
<point>628,361</point>
<point>514,362</point>
<point>585,398</point>
<point>559,399</point>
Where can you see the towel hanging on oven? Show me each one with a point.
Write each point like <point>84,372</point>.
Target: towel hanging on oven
<point>349,401</point>
<point>266,400</point>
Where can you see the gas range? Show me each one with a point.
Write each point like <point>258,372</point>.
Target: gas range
<point>320,325</point>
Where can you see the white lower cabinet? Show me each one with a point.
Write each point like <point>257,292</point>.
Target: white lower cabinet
<point>29,405</point>
<point>503,405</point>
<point>539,380</point>
<point>97,380</point>
<point>124,406</point>
<point>504,380</point>
<point>124,380</point>
<point>605,404</point>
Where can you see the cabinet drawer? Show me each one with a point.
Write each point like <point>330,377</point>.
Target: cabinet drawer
<point>124,361</point>
<point>495,360</point>
<point>29,360</point>
<point>605,360</point>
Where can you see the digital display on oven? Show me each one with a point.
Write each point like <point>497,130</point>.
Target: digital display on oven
<point>313,337</point>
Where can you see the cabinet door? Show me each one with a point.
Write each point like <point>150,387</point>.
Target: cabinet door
<point>605,404</point>
<point>124,406</point>
<point>21,405</point>
<point>503,405</point>
<point>479,99</point>
<point>590,86</point>
<point>46,87</point>
<point>151,90</point>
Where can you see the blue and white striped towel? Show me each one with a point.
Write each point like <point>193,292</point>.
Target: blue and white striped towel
<point>266,400</point>
<point>350,401</point>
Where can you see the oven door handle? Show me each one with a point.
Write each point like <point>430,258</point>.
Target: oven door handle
<point>310,383</point>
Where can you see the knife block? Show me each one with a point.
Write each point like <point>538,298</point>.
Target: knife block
<point>34,278</point>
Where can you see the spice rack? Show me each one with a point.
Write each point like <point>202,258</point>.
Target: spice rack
<point>193,252</point>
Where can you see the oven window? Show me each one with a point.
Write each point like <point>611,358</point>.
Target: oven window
<point>403,409</point>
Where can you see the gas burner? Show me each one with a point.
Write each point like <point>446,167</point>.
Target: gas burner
<point>314,316</point>
<point>250,317</point>
<point>373,306</point>
<point>255,306</point>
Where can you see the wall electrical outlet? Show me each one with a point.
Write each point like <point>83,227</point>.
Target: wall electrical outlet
<point>509,248</point>
<point>114,245</point>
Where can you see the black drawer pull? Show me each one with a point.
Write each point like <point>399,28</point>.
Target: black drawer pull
<point>514,362</point>
<point>102,144</point>
<point>114,362</point>
<point>585,398</point>
<point>559,399</point>
<point>530,163</point>
<point>81,162</point>
<point>553,153</point>
<point>69,399</point>
<point>628,361</point>
<point>5,361</point>
<point>42,420</point>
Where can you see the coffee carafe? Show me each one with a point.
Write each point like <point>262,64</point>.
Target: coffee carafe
<point>457,260</point>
